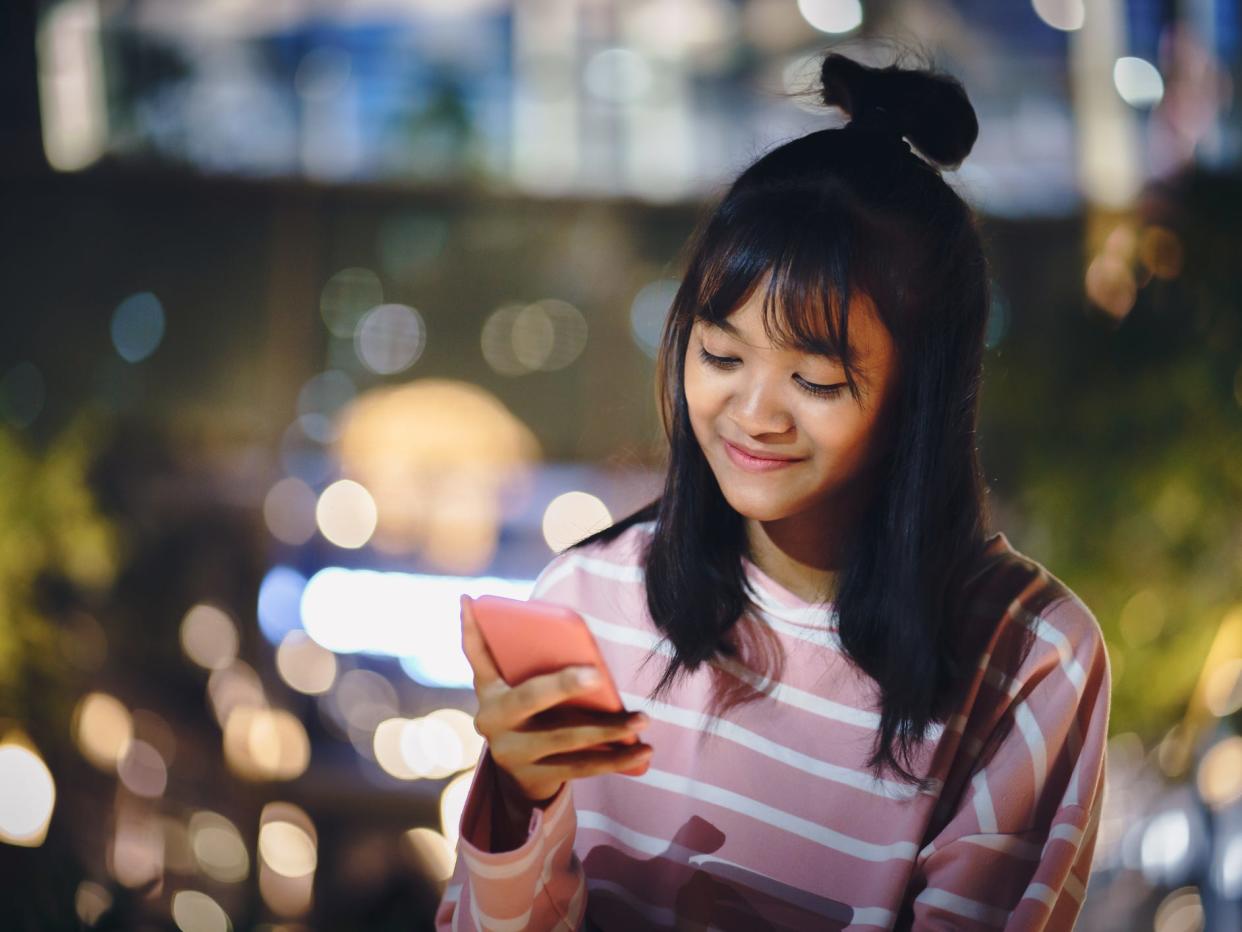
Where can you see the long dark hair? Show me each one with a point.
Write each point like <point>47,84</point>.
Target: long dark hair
<point>827,213</point>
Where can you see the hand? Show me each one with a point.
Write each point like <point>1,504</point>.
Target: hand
<point>537,745</point>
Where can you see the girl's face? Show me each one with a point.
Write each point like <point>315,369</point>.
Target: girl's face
<point>748,396</point>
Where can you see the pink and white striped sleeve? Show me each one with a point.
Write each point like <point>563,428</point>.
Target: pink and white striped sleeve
<point>537,886</point>
<point>1017,853</point>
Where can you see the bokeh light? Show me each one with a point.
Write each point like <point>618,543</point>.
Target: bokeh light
<point>265,744</point>
<point>386,746</point>
<point>28,797</point>
<point>209,636</point>
<point>1220,773</point>
<point>1110,285</point>
<point>452,802</point>
<point>91,901</point>
<point>648,311</point>
<point>288,856</point>
<point>142,770</point>
<point>138,326</point>
<point>468,738</point>
<point>218,847</point>
<point>304,665</point>
<point>1222,688</point>
<point>136,855</point>
<point>572,516</point>
<point>280,598</point>
<point>287,849</point>
<point>390,338</point>
<point>1137,81</point>
<point>233,687</point>
<point>364,699</point>
<point>194,911</point>
<point>155,731</point>
<point>1181,910</point>
<point>432,748</point>
<point>103,729</point>
<point>348,295</point>
<point>437,455</point>
<point>1161,251</point>
<point>429,747</point>
<point>832,16</point>
<point>289,511</point>
<point>1066,15</point>
<point>545,336</point>
<point>346,514</point>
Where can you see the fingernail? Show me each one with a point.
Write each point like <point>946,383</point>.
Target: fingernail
<point>587,677</point>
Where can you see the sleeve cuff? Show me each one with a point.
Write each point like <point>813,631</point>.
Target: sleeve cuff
<point>475,828</point>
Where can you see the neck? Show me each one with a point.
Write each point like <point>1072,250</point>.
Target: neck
<point>802,562</point>
<point>803,552</point>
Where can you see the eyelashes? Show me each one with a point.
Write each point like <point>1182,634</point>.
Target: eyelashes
<point>811,388</point>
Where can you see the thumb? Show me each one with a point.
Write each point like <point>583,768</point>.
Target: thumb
<point>475,648</point>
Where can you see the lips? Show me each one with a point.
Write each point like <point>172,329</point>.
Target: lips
<point>761,455</point>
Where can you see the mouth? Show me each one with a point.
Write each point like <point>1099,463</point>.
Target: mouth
<point>752,462</point>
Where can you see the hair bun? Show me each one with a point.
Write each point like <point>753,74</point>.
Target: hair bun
<point>929,108</point>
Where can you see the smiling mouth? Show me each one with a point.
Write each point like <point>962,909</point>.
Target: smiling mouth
<point>754,454</point>
<point>749,461</point>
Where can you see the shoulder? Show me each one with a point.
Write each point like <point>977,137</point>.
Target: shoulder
<point>1035,622</point>
<point>600,565</point>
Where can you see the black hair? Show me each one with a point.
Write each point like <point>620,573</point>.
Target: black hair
<point>839,211</point>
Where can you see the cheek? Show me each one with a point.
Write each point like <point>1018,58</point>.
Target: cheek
<point>700,399</point>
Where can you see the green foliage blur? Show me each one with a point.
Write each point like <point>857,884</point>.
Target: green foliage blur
<point>56,550</point>
<point>1121,446</point>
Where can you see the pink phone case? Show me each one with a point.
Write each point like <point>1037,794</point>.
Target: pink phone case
<point>531,638</point>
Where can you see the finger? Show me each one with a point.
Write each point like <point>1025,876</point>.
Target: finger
<point>576,764</point>
<point>548,690</point>
<point>485,670</point>
<point>568,716</point>
<point>586,737</point>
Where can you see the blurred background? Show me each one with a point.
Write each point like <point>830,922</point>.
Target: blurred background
<point>317,314</point>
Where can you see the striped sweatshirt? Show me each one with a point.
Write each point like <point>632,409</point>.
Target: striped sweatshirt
<point>773,821</point>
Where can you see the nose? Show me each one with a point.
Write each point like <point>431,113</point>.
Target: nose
<point>757,409</point>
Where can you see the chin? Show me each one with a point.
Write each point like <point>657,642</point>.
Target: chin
<point>759,507</point>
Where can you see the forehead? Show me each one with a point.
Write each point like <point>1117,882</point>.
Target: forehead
<point>867,337</point>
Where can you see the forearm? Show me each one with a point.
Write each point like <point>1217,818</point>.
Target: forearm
<point>511,814</point>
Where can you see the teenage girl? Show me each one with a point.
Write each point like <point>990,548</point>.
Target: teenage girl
<point>857,708</point>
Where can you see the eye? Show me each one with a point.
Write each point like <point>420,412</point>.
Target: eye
<point>720,362</point>
<point>821,391</point>
<point>811,388</point>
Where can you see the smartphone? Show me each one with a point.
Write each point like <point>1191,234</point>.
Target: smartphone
<point>531,638</point>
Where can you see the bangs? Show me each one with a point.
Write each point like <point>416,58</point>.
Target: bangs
<point>806,280</point>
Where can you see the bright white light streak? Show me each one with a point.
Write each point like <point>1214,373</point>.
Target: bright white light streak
<point>71,85</point>
<point>411,616</point>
